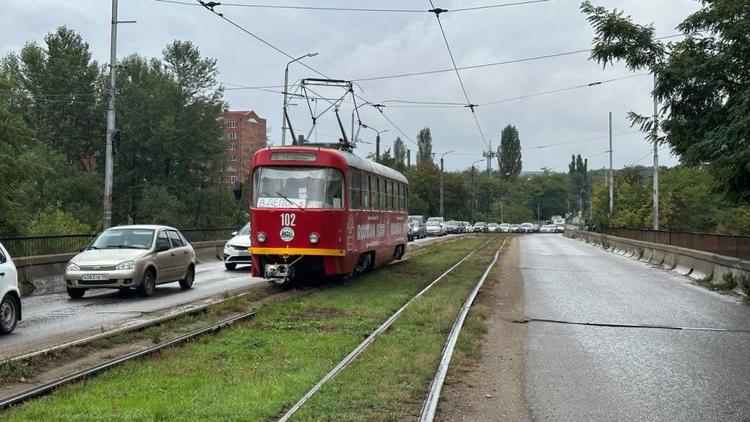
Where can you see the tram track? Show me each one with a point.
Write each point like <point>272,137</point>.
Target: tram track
<point>48,387</point>
<point>352,356</point>
<point>94,369</point>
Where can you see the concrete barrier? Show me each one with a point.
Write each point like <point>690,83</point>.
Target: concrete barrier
<point>698,265</point>
<point>40,275</point>
<point>683,265</point>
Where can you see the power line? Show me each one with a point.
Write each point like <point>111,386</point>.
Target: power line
<point>356,9</point>
<point>490,64</point>
<point>469,104</point>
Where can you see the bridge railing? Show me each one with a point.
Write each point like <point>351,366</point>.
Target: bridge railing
<point>68,243</point>
<point>726,245</point>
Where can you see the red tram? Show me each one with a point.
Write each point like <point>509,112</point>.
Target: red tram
<point>324,211</point>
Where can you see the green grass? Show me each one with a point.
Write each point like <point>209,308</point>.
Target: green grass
<point>390,380</point>
<point>256,369</point>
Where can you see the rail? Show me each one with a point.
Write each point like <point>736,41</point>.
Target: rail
<point>720,244</point>
<point>23,246</point>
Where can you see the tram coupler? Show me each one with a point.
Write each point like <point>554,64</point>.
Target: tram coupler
<point>279,273</point>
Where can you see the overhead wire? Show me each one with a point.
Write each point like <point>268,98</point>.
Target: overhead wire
<point>469,104</point>
<point>355,9</point>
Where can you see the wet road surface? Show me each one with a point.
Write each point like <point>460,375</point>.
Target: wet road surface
<point>49,320</point>
<point>575,373</point>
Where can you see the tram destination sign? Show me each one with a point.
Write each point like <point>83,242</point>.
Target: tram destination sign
<point>294,156</point>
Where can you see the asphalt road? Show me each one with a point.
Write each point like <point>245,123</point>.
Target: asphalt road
<point>576,373</point>
<point>49,320</point>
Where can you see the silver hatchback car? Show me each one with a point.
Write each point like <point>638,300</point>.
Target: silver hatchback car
<point>137,257</point>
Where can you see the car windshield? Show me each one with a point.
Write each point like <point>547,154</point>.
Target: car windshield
<point>244,231</point>
<point>432,223</point>
<point>124,239</point>
<point>298,187</point>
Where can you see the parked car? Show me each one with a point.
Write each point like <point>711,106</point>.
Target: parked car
<point>493,228</point>
<point>480,227</point>
<point>132,257</point>
<point>452,227</point>
<point>434,228</point>
<point>10,304</point>
<point>549,228</point>
<point>527,228</point>
<point>416,230</point>
<point>515,228</point>
<point>466,227</point>
<point>236,250</point>
<point>441,221</point>
<point>505,228</point>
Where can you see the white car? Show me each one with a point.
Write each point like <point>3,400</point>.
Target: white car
<point>549,228</point>
<point>236,250</point>
<point>10,306</point>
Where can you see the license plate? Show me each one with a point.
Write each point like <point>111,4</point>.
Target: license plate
<point>96,277</point>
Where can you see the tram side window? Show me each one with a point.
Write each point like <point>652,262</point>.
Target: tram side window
<point>334,196</point>
<point>355,187</point>
<point>391,196</point>
<point>366,191</point>
<point>400,190</point>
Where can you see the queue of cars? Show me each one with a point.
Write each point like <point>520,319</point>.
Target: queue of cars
<point>419,227</point>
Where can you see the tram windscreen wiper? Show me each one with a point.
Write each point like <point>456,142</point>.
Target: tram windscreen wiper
<point>289,200</point>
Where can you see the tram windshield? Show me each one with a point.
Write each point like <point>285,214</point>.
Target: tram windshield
<point>298,187</point>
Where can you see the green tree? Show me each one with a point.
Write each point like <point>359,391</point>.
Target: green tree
<point>399,155</point>
<point>424,193</point>
<point>702,82</point>
<point>424,145</point>
<point>61,95</point>
<point>509,153</point>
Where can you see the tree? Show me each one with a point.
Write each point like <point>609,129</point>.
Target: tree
<point>424,145</point>
<point>579,183</point>
<point>62,101</point>
<point>509,153</point>
<point>169,119</point>
<point>399,155</point>
<point>702,82</point>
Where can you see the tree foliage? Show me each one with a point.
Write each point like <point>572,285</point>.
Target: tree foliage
<point>702,81</point>
<point>509,153</point>
<point>424,145</point>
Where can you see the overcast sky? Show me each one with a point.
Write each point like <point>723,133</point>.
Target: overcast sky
<point>356,45</point>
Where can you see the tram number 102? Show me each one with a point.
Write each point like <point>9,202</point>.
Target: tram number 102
<point>287,219</point>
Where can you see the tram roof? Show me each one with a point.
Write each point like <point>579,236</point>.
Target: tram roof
<point>353,160</point>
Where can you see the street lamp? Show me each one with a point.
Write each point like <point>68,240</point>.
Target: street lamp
<point>377,139</point>
<point>442,213</point>
<point>286,88</point>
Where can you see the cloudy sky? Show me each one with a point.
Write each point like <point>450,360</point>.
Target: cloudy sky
<point>362,45</point>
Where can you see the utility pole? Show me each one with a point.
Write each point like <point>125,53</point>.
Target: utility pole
<point>377,146</point>
<point>108,159</point>
<point>611,175</point>
<point>408,161</point>
<point>442,210</point>
<point>108,165</point>
<point>489,155</point>
<point>656,158</point>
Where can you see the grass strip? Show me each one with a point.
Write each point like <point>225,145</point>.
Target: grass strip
<point>390,380</point>
<point>255,369</point>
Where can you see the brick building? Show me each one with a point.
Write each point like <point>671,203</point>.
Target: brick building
<point>244,133</point>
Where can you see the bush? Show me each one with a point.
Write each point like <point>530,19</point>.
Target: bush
<point>54,221</point>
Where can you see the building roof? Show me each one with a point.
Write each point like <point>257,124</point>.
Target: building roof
<point>241,114</point>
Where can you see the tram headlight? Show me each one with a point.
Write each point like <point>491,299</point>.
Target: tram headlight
<point>314,238</point>
<point>261,237</point>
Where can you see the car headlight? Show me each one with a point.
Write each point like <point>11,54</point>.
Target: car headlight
<point>226,248</point>
<point>127,265</point>
<point>314,238</point>
<point>72,266</point>
<point>261,237</point>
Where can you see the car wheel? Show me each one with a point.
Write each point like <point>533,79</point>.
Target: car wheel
<point>75,293</point>
<point>230,267</point>
<point>8,314</point>
<point>187,282</point>
<point>148,285</point>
